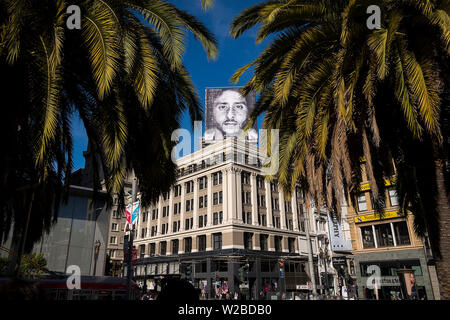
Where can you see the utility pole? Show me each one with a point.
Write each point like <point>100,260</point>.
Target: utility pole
<point>310,255</point>
<point>130,242</point>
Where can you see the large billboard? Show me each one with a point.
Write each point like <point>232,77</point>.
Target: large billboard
<point>227,112</point>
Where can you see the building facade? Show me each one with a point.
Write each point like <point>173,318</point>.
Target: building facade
<point>388,243</point>
<point>227,228</point>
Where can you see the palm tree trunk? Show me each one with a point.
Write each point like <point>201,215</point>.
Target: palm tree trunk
<point>24,236</point>
<point>443,261</point>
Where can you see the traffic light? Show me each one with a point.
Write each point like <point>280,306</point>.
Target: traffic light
<point>242,270</point>
<point>323,278</point>
<point>188,271</point>
<point>241,274</point>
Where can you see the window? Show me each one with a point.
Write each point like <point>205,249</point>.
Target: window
<point>113,240</point>
<point>201,243</point>
<point>163,247</point>
<point>220,197</point>
<point>249,218</point>
<point>200,221</point>
<point>115,214</point>
<point>274,187</point>
<point>217,218</point>
<point>155,214</point>
<point>290,224</point>
<point>186,224</point>
<point>177,190</point>
<point>189,186</point>
<point>384,235</point>
<point>393,196</point>
<point>189,205</point>
<point>367,237</point>
<point>362,204</point>
<point>200,202</point>
<point>187,245</point>
<point>174,226</point>
<point>245,178</point>
<point>260,182</point>
<point>248,240</point>
<point>263,241</point>
<point>217,178</point>
<point>152,249</point>
<point>114,227</point>
<point>401,233</point>
<point>145,216</point>
<point>175,208</point>
<point>217,241</point>
<point>164,214</point>
<point>141,251</point>
<point>278,240</point>
<point>143,232</point>
<point>276,222</point>
<point>264,220</point>
<point>262,201</point>
<point>175,246</point>
<point>164,228</point>
<point>291,245</point>
<point>275,204</point>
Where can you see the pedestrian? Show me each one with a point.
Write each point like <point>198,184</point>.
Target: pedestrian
<point>261,295</point>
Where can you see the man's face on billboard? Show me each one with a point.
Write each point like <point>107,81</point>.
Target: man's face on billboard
<point>230,112</point>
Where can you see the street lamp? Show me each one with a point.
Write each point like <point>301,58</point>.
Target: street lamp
<point>97,246</point>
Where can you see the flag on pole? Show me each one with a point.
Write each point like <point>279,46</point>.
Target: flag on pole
<point>135,212</point>
<point>132,211</point>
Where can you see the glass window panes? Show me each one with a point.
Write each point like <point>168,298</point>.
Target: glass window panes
<point>217,241</point>
<point>393,197</point>
<point>362,204</point>
<point>401,233</point>
<point>367,237</point>
<point>384,235</point>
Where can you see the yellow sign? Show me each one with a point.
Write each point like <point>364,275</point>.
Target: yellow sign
<point>376,216</point>
<point>387,183</point>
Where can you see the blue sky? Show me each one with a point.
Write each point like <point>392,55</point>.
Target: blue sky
<point>233,54</point>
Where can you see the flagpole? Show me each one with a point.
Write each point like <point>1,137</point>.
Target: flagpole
<point>130,241</point>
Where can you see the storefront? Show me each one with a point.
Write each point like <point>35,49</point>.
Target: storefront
<point>215,274</point>
<point>389,286</point>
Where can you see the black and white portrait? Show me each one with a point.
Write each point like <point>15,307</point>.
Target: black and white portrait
<point>227,113</point>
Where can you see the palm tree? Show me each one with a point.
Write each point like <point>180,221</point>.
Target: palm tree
<point>122,73</point>
<point>339,92</point>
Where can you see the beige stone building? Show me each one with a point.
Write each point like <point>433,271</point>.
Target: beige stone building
<point>221,215</point>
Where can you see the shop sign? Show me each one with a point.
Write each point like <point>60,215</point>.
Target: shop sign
<point>339,261</point>
<point>387,183</point>
<point>302,287</point>
<point>377,216</point>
